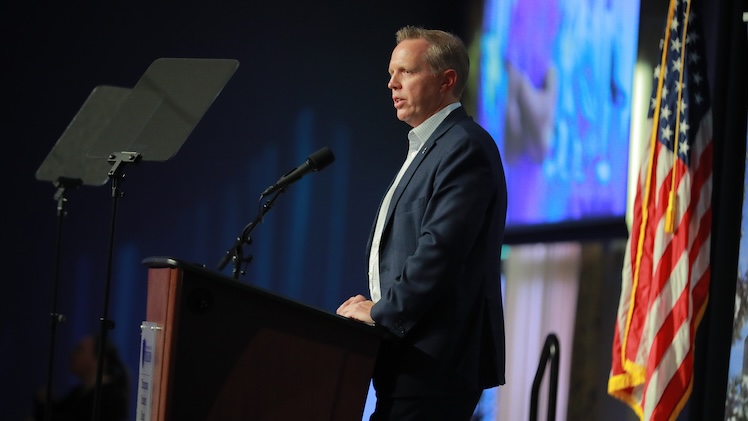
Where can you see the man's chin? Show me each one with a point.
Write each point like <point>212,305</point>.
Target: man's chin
<point>404,117</point>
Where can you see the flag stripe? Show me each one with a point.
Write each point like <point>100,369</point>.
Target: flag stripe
<point>666,274</point>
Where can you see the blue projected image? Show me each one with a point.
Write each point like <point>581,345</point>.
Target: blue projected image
<point>554,90</point>
<point>737,381</point>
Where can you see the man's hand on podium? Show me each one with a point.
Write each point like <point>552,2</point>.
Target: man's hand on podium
<point>357,308</point>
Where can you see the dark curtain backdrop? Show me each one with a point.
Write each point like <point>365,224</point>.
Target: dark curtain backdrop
<point>312,74</point>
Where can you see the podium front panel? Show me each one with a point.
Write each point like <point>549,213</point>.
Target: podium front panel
<point>231,351</point>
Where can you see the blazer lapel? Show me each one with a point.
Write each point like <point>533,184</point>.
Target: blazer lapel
<point>427,147</point>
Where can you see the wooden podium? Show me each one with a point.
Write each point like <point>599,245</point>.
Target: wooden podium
<point>229,351</point>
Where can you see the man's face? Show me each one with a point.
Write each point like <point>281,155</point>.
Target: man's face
<point>416,90</point>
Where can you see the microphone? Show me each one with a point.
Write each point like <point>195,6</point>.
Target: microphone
<point>316,161</point>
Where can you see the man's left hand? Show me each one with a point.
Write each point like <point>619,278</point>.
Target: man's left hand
<point>357,308</point>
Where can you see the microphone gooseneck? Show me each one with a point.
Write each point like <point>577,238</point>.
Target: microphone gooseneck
<point>315,162</point>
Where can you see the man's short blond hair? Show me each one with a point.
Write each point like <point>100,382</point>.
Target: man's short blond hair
<point>445,51</point>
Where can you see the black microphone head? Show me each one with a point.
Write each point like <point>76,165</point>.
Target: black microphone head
<point>320,159</point>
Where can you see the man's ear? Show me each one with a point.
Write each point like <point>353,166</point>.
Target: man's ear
<point>449,78</point>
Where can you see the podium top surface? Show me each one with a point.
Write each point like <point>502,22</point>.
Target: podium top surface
<point>157,262</point>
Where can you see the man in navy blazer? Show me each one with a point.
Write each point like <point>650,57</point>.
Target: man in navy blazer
<point>434,252</point>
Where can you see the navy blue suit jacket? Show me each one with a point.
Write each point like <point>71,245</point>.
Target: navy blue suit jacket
<point>440,266</point>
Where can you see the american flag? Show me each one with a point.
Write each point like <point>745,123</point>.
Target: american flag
<point>666,269</point>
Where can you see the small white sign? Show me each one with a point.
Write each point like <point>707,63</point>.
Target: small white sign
<point>145,379</point>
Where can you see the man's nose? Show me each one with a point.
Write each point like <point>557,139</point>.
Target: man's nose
<point>393,83</point>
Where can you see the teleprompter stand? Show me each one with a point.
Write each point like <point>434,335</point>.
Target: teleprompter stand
<point>119,126</point>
